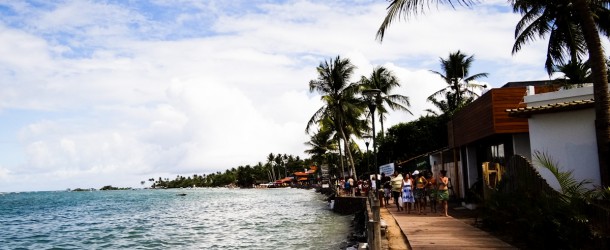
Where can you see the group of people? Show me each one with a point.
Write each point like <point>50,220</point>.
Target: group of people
<point>416,191</point>
<point>361,187</point>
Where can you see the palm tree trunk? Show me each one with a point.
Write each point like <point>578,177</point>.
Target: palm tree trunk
<point>273,172</point>
<point>349,153</point>
<point>600,87</point>
<point>381,122</point>
<point>341,158</point>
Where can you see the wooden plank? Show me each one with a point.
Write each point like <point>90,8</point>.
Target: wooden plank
<point>439,232</point>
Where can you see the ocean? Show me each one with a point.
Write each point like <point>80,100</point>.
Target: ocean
<point>215,218</point>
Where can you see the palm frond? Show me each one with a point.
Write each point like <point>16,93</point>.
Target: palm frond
<point>570,187</point>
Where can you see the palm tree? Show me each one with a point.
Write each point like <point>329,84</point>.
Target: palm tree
<point>338,95</point>
<point>279,163</point>
<point>589,19</point>
<point>587,13</point>
<point>270,159</point>
<point>385,80</point>
<point>575,73</point>
<point>460,89</point>
<point>564,32</point>
<point>320,144</point>
<point>447,106</point>
<point>566,37</point>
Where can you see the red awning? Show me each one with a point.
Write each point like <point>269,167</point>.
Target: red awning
<point>303,179</point>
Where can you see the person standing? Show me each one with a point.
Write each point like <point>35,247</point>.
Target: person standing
<point>443,191</point>
<point>431,192</point>
<point>407,193</point>
<point>387,188</point>
<point>419,193</point>
<point>397,188</point>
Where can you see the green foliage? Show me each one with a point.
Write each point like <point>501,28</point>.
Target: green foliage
<point>570,187</point>
<point>407,140</point>
<point>242,176</point>
<point>113,188</point>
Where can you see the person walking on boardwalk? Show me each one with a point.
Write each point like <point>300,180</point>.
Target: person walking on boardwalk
<point>431,190</point>
<point>419,193</point>
<point>387,188</point>
<point>443,191</point>
<point>397,188</point>
<point>407,193</point>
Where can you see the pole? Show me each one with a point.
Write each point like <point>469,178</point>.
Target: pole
<point>368,164</point>
<point>374,143</point>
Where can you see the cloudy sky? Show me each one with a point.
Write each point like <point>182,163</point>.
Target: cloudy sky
<point>96,93</point>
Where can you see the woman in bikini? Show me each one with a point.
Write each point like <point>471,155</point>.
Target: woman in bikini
<point>419,193</point>
<point>443,190</point>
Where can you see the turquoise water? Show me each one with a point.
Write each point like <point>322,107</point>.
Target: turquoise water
<point>160,219</point>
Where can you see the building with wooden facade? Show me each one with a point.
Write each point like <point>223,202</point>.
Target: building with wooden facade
<point>483,132</point>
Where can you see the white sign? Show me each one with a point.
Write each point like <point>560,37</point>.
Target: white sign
<point>387,169</point>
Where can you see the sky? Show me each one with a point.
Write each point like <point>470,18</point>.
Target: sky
<point>96,93</point>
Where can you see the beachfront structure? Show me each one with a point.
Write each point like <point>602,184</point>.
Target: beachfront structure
<point>482,136</point>
<point>562,125</point>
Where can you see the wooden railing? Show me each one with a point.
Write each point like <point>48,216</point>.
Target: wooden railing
<point>373,220</point>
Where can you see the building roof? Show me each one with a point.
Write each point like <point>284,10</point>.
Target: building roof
<point>550,108</point>
<point>530,83</point>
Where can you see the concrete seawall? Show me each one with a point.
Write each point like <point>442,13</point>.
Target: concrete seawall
<point>349,205</point>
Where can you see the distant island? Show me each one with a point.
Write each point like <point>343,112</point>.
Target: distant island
<point>103,189</point>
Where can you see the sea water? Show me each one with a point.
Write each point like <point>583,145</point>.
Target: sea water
<point>218,218</point>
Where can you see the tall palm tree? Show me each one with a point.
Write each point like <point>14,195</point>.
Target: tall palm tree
<point>587,19</point>
<point>338,95</point>
<point>279,162</point>
<point>384,79</point>
<point>460,89</point>
<point>587,15</point>
<point>270,159</point>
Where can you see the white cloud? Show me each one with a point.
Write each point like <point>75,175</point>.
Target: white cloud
<point>115,94</point>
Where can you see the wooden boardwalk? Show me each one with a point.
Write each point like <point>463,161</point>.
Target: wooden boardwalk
<point>439,232</point>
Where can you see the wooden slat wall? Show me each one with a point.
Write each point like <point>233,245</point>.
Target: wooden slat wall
<point>487,116</point>
<point>474,121</point>
<point>508,98</point>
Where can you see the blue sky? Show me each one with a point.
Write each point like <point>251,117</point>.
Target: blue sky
<point>101,93</point>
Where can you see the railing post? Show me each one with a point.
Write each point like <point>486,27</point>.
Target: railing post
<point>377,224</point>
